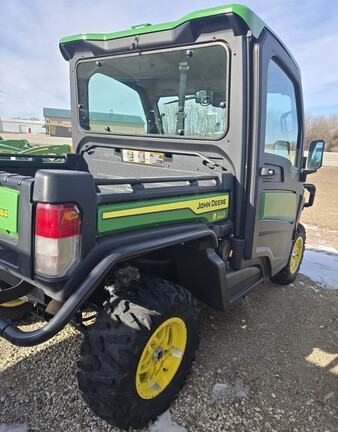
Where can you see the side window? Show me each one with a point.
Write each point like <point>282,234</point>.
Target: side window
<point>281,132</point>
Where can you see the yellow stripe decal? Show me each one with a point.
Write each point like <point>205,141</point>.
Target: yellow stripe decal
<point>198,206</point>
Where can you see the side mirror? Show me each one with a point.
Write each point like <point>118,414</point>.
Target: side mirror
<point>315,156</point>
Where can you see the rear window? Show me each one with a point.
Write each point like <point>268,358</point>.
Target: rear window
<point>179,92</point>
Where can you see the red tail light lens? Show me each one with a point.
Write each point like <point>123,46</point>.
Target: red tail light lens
<point>57,220</point>
<point>57,239</point>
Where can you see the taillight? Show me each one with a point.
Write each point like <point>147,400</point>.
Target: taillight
<point>57,238</point>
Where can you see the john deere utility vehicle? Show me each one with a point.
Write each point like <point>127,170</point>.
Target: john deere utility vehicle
<point>22,146</point>
<point>187,182</point>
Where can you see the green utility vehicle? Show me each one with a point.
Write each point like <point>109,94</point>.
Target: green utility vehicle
<point>187,182</point>
<point>22,146</point>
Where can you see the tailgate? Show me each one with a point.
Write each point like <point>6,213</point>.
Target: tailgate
<point>15,224</point>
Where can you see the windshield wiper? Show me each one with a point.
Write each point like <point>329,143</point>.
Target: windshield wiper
<point>177,100</point>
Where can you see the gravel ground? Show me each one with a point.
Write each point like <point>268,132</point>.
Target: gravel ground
<point>280,343</point>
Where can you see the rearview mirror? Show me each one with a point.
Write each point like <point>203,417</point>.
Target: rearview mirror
<point>202,97</point>
<point>206,98</point>
<point>315,156</point>
<point>281,148</point>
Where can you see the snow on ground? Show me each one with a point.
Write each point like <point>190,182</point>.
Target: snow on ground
<point>321,265</point>
<point>165,424</point>
<point>225,392</point>
<point>14,427</point>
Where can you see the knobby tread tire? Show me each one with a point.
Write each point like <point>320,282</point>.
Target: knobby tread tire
<point>16,313</point>
<point>285,277</point>
<point>112,349</point>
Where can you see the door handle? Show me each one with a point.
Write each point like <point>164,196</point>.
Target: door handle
<point>265,172</point>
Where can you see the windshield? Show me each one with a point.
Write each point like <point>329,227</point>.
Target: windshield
<point>176,92</point>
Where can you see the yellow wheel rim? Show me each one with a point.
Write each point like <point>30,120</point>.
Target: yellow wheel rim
<point>296,255</point>
<point>13,303</point>
<point>161,358</point>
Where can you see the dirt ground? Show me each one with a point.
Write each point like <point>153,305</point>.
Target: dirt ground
<point>281,342</point>
<point>322,217</point>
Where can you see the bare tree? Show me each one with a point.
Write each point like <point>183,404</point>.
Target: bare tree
<point>322,127</point>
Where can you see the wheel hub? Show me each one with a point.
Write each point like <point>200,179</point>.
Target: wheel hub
<point>296,255</point>
<point>161,358</point>
<point>158,354</point>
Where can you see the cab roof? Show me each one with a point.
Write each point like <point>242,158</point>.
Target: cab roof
<point>251,20</point>
<point>254,23</point>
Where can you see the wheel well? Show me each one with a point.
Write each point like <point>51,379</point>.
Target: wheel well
<point>157,264</point>
<point>193,265</point>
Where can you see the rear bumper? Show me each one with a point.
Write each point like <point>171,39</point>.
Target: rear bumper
<point>17,337</point>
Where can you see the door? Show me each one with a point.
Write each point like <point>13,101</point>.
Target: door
<point>279,192</point>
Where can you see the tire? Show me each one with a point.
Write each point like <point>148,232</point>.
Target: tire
<point>15,310</point>
<point>289,273</point>
<point>138,353</point>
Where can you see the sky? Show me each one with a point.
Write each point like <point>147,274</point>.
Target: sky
<point>33,74</point>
